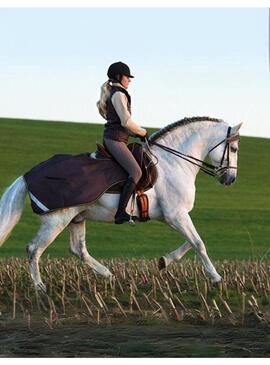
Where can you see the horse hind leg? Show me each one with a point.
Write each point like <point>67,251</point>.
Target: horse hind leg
<point>45,236</point>
<point>79,249</point>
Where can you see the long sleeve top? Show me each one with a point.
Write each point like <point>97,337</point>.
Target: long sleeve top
<point>120,103</point>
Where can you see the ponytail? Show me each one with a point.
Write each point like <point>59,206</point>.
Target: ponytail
<point>104,94</point>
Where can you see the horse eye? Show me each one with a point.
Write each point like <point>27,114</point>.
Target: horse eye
<point>233,149</point>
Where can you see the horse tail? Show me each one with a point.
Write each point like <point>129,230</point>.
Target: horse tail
<point>11,207</point>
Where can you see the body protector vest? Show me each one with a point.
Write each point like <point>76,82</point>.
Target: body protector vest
<point>113,128</point>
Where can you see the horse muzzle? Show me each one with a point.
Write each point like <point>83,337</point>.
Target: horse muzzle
<point>226,176</point>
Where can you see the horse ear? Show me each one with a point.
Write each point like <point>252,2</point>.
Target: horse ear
<point>235,129</point>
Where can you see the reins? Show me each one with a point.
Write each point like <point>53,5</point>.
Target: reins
<point>204,166</point>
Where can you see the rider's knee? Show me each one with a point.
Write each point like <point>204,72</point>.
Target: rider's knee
<point>137,175</point>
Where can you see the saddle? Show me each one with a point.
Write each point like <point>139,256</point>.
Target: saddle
<point>66,180</point>
<point>149,170</point>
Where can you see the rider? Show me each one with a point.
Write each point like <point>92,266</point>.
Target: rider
<point>115,106</point>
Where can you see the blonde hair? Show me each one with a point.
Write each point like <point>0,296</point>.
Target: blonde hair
<point>104,94</point>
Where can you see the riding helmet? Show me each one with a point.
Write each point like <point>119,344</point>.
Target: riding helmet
<point>118,68</point>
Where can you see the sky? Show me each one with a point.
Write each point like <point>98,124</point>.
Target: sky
<point>186,61</point>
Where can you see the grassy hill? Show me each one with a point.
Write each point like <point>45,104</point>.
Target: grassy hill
<point>234,222</point>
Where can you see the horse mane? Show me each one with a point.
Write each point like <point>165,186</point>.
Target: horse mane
<point>180,123</point>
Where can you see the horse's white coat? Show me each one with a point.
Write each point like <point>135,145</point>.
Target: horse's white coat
<point>171,200</point>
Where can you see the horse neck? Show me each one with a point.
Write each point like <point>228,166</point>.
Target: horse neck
<point>192,139</point>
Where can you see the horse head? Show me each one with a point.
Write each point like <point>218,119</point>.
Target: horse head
<point>224,156</point>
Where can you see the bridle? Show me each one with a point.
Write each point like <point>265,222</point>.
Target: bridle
<point>204,166</point>
<point>220,170</point>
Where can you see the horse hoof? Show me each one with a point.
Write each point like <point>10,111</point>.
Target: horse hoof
<point>217,283</point>
<point>104,272</point>
<point>109,275</point>
<point>111,279</point>
<point>161,263</point>
<point>41,288</point>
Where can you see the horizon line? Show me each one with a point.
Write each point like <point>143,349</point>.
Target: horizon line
<point>83,122</point>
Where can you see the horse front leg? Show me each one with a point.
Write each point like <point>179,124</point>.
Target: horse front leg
<point>185,225</point>
<point>175,255</point>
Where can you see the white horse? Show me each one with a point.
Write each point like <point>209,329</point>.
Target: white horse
<point>171,199</point>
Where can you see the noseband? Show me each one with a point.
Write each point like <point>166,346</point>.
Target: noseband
<point>204,166</point>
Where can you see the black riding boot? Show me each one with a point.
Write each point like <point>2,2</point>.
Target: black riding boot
<point>127,190</point>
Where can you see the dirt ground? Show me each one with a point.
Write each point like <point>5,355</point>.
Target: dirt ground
<point>169,340</point>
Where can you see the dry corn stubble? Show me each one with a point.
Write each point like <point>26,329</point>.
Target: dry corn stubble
<point>138,292</point>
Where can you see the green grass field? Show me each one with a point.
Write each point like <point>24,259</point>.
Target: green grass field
<point>234,222</point>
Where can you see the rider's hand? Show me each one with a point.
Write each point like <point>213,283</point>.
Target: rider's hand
<point>145,137</point>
